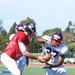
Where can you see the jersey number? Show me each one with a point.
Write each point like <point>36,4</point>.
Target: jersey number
<point>50,50</point>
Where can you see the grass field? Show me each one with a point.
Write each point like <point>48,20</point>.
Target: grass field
<point>37,70</point>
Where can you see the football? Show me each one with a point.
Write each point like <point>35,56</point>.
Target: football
<point>46,57</point>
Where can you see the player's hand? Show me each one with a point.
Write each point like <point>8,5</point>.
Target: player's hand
<point>44,58</point>
<point>48,66</point>
<point>41,59</point>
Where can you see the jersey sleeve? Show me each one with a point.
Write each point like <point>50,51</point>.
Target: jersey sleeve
<point>46,37</point>
<point>11,36</point>
<point>64,50</point>
<point>22,46</point>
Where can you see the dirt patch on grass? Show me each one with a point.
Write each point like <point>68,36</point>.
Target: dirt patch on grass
<point>42,64</point>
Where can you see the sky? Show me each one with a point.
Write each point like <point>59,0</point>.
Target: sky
<point>47,14</point>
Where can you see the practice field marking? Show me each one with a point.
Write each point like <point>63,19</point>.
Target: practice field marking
<point>5,72</point>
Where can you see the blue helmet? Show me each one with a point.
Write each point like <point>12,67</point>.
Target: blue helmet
<point>29,27</point>
<point>57,35</point>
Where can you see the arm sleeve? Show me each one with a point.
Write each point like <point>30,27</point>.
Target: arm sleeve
<point>22,46</point>
<point>64,51</point>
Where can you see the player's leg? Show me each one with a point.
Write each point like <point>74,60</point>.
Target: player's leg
<point>61,71</point>
<point>18,64</point>
<point>10,64</point>
<point>22,64</point>
<point>49,72</point>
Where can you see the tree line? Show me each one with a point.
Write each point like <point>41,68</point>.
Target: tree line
<point>34,47</point>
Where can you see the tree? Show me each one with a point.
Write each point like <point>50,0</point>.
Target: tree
<point>12,29</point>
<point>50,32</point>
<point>34,46</point>
<point>2,30</point>
<point>71,49</point>
<point>67,29</point>
<point>69,23</point>
<point>72,27</point>
<point>3,41</point>
<point>27,20</point>
<point>3,38</point>
<point>1,27</point>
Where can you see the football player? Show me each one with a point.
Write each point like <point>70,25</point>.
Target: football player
<point>17,47</point>
<point>57,49</point>
<point>23,61</point>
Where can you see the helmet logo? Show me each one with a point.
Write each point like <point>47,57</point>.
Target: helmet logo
<point>30,26</point>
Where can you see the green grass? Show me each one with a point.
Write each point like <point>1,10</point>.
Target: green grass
<point>34,71</point>
<point>70,70</point>
<point>30,70</point>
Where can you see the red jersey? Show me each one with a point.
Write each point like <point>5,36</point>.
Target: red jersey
<point>12,49</point>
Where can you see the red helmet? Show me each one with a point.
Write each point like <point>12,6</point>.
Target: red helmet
<point>57,37</point>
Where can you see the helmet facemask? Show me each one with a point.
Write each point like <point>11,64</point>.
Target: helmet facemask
<point>56,39</point>
<point>55,42</point>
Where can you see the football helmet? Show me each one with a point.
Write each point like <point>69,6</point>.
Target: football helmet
<point>57,37</point>
<point>30,28</point>
<point>19,27</point>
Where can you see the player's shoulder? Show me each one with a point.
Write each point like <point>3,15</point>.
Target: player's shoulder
<point>46,37</point>
<point>63,49</point>
<point>62,45</point>
<point>11,36</point>
<point>22,37</point>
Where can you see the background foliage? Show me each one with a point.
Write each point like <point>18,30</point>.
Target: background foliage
<point>69,36</point>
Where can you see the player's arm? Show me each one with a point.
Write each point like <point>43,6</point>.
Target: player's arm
<point>28,54</point>
<point>41,58</point>
<point>60,61</point>
<point>40,40</point>
<point>24,51</point>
